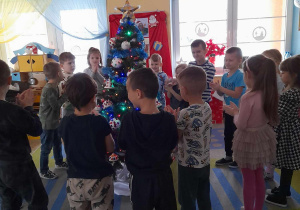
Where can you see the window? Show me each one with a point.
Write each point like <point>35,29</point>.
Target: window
<point>254,26</point>
<point>37,33</point>
<point>79,48</point>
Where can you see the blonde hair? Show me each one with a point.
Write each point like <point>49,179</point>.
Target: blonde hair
<point>275,56</point>
<point>156,58</point>
<point>181,66</point>
<point>94,50</point>
<point>193,78</point>
<point>264,73</point>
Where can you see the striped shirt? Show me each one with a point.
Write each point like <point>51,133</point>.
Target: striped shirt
<point>210,70</point>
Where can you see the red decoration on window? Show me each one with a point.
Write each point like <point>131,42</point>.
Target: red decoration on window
<point>213,50</point>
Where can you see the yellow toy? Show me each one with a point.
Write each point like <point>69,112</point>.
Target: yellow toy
<point>28,68</point>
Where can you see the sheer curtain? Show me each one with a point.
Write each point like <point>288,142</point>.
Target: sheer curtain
<point>16,16</point>
<point>81,11</point>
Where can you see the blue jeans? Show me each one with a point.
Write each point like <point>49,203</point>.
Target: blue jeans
<point>49,139</point>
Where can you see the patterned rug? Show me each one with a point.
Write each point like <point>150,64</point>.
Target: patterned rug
<point>226,184</point>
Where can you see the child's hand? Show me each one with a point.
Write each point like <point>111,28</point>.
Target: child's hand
<point>168,87</point>
<point>25,99</point>
<point>231,109</point>
<point>95,112</point>
<point>216,86</point>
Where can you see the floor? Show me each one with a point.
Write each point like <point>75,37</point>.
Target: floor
<point>226,184</point>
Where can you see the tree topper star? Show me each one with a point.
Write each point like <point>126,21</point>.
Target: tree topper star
<point>128,11</point>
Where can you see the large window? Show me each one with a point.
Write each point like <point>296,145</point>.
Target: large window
<point>79,47</point>
<point>36,33</point>
<point>254,26</point>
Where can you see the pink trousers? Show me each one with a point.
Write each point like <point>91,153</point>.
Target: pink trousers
<point>254,188</point>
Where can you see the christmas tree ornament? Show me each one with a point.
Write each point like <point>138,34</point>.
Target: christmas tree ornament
<point>106,104</point>
<point>125,45</point>
<point>114,123</point>
<point>127,11</point>
<point>116,63</point>
<point>112,42</point>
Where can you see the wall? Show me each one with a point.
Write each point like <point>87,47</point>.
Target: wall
<point>296,33</point>
<point>146,6</point>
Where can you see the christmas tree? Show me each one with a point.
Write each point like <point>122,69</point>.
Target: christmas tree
<point>126,54</point>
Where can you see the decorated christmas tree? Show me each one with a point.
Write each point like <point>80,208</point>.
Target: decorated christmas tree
<point>126,54</point>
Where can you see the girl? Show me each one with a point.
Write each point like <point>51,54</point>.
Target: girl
<point>254,142</point>
<point>275,56</point>
<point>173,92</point>
<point>94,60</point>
<point>288,131</point>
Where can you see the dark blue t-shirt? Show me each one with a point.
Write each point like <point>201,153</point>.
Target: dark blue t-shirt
<point>148,140</point>
<point>84,141</point>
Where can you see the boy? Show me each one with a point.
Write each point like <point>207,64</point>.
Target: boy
<point>19,178</point>
<point>67,64</point>
<point>148,136</point>
<point>49,115</point>
<point>232,87</point>
<point>194,130</point>
<point>199,51</point>
<point>156,64</point>
<point>87,139</point>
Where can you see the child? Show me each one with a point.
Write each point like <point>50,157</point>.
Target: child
<point>194,127</point>
<point>232,87</point>
<point>156,64</point>
<point>67,64</point>
<point>288,133</point>
<point>173,92</point>
<point>87,139</point>
<point>19,178</point>
<point>94,60</point>
<point>275,56</point>
<point>199,51</point>
<point>254,143</point>
<point>49,115</point>
<point>148,136</point>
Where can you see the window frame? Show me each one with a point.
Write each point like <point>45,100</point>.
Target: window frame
<point>232,21</point>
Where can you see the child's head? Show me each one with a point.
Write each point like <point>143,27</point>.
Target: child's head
<point>156,62</point>
<point>5,77</point>
<point>274,55</point>
<point>67,62</point>
<point>290,71</point>
<point>180,68</point>
<point>233,58</point>
<point>192,82</point>
<point>199,50</point>
<point>260,73</point>
<point>81,91</point>
<point>141,83</point>
<point>52,71</point>
<point>94,57</point>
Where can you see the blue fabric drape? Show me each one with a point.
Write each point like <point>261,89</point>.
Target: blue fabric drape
<point>73,26</point>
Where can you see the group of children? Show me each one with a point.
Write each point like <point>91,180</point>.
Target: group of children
<point>150,134</point>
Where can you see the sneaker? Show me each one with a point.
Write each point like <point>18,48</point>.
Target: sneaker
<point>275,190</point>
<point>277,200</point>
<point>63,165</point>
<point>233,165</point>
<point>48,175</point>
<point>223,162</point>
